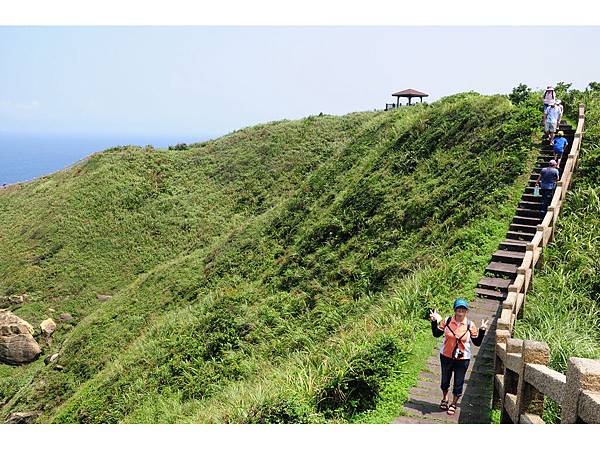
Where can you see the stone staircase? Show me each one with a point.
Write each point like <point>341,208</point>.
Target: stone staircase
<point>502,270</point>
<point>474,407</point>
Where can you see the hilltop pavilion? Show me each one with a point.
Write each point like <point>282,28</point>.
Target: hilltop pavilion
<point>407,93</point>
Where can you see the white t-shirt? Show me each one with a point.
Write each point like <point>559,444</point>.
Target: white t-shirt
<point>552,115</point>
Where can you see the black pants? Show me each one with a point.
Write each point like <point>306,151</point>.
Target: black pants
<point>458,367</point>
<point>547,195</point>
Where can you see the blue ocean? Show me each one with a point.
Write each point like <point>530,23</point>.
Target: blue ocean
<point>24,157</point>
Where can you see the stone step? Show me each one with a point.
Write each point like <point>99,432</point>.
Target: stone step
<point>527,220</point>
<point>482,304</point>
<point>527,237</point>
<point>530,197</point>
<point>529,190</point>
<point>513,245</point>
<point>525,204</point>
<point>522,227</point>
<point>542,164</point>
<point>510,257</point>
<point>494,283</point>
<point>477,314</point>
<point>489,293</point>
<point>499,268</point>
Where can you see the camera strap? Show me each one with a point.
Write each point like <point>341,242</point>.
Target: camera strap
<point>458,339</point>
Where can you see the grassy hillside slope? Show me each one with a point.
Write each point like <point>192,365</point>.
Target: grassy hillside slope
<point>563,309</point>
<point>278,274</point>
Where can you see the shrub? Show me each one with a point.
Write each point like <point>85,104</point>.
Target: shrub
<point>355,387</point>
<point>519,94</point>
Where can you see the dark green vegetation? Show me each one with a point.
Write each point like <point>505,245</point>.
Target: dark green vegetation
<point>563,309</point>
<point>278,274</point>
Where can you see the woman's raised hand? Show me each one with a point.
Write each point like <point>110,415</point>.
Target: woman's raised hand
<point>484,324</point>
<point>434,316</point>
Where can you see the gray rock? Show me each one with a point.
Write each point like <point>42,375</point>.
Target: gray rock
<point>17,299</point>
<point>51,358</point>
<point>22,417</point>
<point>66,317</point>
<point>103,297</point>
<point>48,326</point>
<point>17,345</point>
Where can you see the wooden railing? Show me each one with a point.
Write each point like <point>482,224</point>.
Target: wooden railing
<point>522,377</point>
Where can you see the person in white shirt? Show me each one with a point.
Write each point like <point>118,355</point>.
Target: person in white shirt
<point>548,97</point>
<point>552,121</point>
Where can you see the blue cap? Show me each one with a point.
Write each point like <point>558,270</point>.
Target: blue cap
<point>460,302</point>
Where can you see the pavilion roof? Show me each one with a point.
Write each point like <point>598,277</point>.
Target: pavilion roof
<point>410,93</point>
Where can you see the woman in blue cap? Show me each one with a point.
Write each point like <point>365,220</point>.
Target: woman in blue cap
<point>455,354</point>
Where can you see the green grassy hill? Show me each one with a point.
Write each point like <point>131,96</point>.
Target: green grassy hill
<point>278,274</point>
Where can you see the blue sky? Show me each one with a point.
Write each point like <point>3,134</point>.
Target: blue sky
<point>211,80</point>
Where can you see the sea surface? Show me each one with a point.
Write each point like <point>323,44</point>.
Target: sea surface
<point>24,157</point>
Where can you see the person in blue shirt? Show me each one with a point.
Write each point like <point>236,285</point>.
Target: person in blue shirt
<point>547,179</point>
<point>560,143</point>
<point>552,121</point>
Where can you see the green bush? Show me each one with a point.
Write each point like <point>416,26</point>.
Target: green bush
<point>355,387</point>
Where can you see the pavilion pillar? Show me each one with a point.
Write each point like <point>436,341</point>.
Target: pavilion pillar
<point>397,102</point>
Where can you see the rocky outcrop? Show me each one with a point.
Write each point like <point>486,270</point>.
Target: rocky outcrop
<point>22,417</point>
<point>17,345</point>
<point>48,326</point>
<point>51,358</point>
<point>66,317</point>
<point>12,300</point>
<point>103,297</point>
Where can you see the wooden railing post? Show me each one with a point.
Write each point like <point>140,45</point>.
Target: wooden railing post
<point>511,380</point>
<point>552,210</point>
<point>582,375</point>
<point>501,338</point>
<point>522,305</point>
<point>529,399</point>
